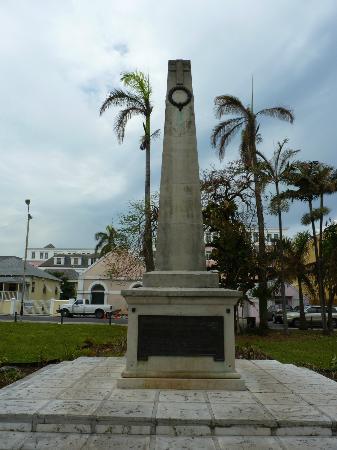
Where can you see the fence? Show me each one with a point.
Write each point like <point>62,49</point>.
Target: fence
<point>30,307</point>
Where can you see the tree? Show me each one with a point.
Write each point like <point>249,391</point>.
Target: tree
<point>132,224</point>
<point>67,289</point>
<point>109,240</point>
<point>225,193</point>
<point>313,180</point>
<point>296,267</point>
<point>274,171</point>
<point>135,100</point>
<point>330,267</point>
<point>246,121</point>
<point>122,264</point>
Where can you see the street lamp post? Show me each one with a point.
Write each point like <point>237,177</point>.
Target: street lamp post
<point>29,217</point>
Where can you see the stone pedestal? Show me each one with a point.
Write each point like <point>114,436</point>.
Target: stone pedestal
<point>165,357</point>
<point>181,325</point>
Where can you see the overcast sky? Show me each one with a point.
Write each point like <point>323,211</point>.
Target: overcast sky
<point>59,59</point>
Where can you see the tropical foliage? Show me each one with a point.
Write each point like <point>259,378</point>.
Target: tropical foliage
<point>135,101</point>
<point>246,122</point>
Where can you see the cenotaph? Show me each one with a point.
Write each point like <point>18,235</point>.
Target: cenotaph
<point>181,324</point>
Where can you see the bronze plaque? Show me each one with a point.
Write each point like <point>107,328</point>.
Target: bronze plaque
<point>180,336</point>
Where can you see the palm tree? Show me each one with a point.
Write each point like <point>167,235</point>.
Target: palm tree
<point>246,121</point>
<point>330,267</point>
<point>135,100</point>
<point>273,171</point>
<point>313,180</point>
<point>296,268</point>
<point>109,240</point>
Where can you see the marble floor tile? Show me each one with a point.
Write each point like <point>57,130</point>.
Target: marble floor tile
<point>248,443</point>
<point>320,399</point>
<point>11,440</point>
<point>183,411</point>
<point>246,414</point>
<point>298,414</point>
<point>281,398</point>
<point>129,411</point>
<point>54,441</point>
<point>230,397</point>
<point>184,443</point>
<point>20,407</point>
<point>83,408</point>
<point>309,443</point>
<point>132,395</point>
<point>107,442</point>
<point>181,396</point>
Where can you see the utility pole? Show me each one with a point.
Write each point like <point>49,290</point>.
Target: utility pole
<point>29,217</point>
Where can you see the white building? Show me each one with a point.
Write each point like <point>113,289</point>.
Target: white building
<point>39,255</point>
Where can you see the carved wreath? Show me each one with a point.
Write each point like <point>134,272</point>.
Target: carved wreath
<point>179,105</point>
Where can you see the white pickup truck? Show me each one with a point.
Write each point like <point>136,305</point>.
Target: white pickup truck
<point>82,307</point>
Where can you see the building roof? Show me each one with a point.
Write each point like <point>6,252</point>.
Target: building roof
<point>49,246</point>
<point>71,274</point>
<point>13,266</point>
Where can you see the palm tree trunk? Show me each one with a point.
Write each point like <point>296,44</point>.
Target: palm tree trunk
<point>320,264</point>
<point>283,294</point>
<point>303,322</point>
<point>263,288</point>
<point>147,242</point>
<point>330,303</point>
<point>318,271</point>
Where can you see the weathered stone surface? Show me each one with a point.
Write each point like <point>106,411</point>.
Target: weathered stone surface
<point>186,443</point>
<point>248,443</point>
<point>171,417</point>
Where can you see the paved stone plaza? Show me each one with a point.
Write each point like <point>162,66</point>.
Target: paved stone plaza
<point>76,404</point>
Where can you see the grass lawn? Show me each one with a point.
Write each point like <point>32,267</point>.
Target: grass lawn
<point>43,342</point>
<point>27,345</point>
<point>303,348</point>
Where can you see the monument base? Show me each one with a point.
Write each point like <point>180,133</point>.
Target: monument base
<point>181,338</point>
<point>226,384</point>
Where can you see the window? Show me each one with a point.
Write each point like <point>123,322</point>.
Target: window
<point>33,255</point>
<point>33,286</point>
<point>56,290</point>
<point>46,255</point>
<point>275,236</point>
<point>268,237</point>
<point>256,237</point>
<point>75,261</point>
<point>58,260</point>
<point>208,255</point>
<point>44,290</point>
<point>41,255</point>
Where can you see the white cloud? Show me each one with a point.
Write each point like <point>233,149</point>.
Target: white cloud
<point>59,60</point>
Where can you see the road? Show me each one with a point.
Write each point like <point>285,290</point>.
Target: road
<point>57,319</point>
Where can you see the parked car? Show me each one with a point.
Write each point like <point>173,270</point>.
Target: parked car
<point>275,312</point>
<point>312,315</point>
<point>82,307</point>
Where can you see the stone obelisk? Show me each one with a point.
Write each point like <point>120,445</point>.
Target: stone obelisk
<point>181,324</point>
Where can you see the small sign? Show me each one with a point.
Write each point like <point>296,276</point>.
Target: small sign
<point>180,336</point>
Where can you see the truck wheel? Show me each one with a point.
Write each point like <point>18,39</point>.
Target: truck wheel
<point>65,313</point>
<point>99,314</point>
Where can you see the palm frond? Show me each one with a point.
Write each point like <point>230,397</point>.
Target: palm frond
<point>285,157</point>
<point>278,112</point>
<point>139,82</point>
<point>122,119</point>
<point>228,104</point>
<point>223,133</point>
<point>118,97</point>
